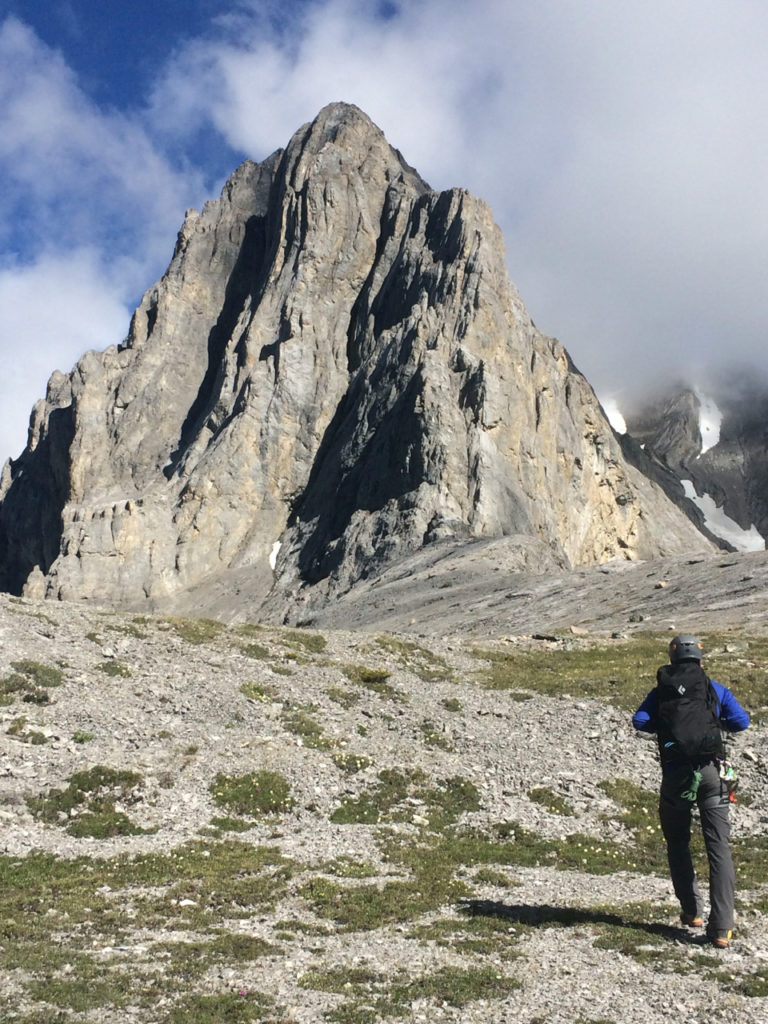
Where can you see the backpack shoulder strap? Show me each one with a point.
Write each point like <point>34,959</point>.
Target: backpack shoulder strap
<point>712,693</point>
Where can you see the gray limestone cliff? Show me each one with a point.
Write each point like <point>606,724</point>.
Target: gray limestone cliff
<point>333,372</point>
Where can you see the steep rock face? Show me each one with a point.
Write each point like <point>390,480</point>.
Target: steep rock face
<point>334,366</point>
<point>670,427</point>
<point>734,471</point>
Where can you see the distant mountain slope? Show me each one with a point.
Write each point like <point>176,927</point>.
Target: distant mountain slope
<point>720,444</point>
<point>334,371</point>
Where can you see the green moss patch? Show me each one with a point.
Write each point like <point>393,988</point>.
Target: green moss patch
<point>640,814</point>
<point>254,794</point>
<point>350,763</point>
<point>345,698</point>
<point>93,989</point>
<point>87,807</point>
<point>29,681</point>
<point>474,934</point>
<point>38,674</point>
<point>258,691</point>
<point>374,679</point>
<point>114,668</point>
<point>433,736</point>
<point>398,795</point>
<point>750,857</point>
<point>311,643</point>
<point>241,1007</point>
<point>257,651</point>
<point>550,800</point>
<point>197,631</point>
<point>416,658</point>
<point>347,867</point>
<point>612,673</point>
<point>302,724</point>
<point>367,907</point>
<point>228,824</point>
<point>753,984</point>
<point>621,672</point>
<point>20,729</point>
<point>371,997</point>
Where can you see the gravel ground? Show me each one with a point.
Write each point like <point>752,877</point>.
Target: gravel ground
<point>174,710</point>
<point>478,590</point>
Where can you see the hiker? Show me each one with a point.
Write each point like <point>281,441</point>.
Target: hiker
<point>687,711</point>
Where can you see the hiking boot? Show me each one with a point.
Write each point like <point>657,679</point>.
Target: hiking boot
<point>720,938</point>
<point>692,920</point>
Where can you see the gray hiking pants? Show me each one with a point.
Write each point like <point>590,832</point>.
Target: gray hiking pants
<point>675,816</point>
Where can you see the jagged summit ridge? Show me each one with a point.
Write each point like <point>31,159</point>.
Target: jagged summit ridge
<point>334,366</point>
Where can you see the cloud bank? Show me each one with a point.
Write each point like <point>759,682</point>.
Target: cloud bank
<point>89,205</point>
<point>622,147</point>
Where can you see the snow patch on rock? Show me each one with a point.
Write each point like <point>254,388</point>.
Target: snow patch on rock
<point>273,555</point>
<point>615,418</point>
<point>722,525</point>
<point>710,420</point>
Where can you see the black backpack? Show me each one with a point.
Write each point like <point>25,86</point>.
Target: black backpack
<point>688,729</point>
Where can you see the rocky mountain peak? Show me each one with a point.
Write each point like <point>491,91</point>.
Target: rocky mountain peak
<point>334,371</point>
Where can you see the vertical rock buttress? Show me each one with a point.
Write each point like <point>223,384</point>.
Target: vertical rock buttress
<point>335,366</point>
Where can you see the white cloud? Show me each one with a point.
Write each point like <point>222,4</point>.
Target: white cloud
<point>72,169</point>
<point>622,147</point>
<point>52,312</point>
<point>415,75</point>
<point>89,209</point>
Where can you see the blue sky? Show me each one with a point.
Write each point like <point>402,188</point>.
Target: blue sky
<point>622,147</point>
<point>113,46</point>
